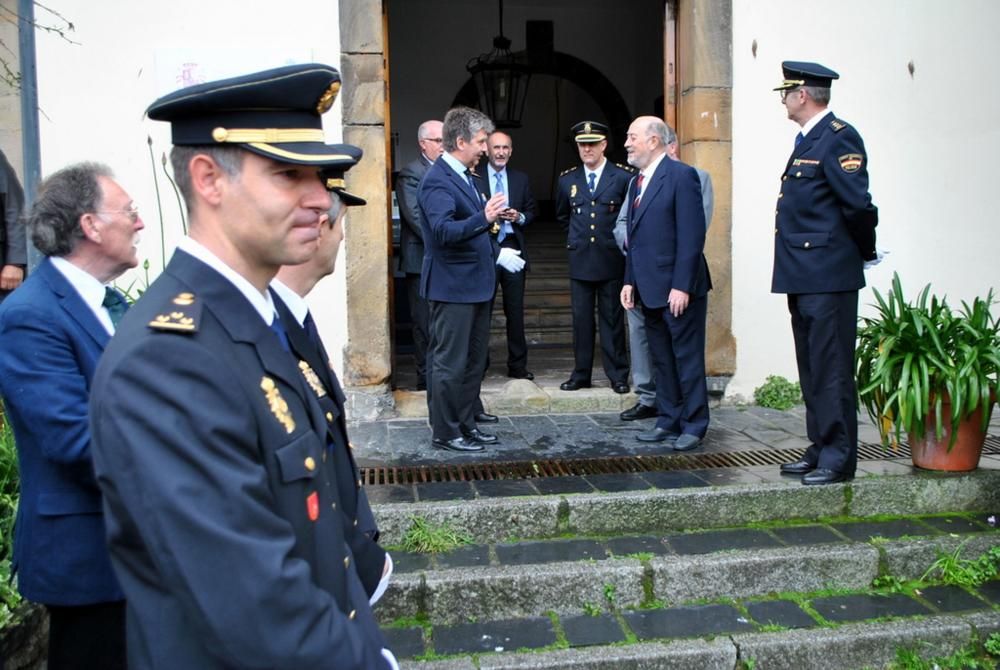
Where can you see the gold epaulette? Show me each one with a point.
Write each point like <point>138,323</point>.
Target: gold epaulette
<point>180,316</point>
<point>837,125</point>
<point>627,167</point>
<point>568,170</point>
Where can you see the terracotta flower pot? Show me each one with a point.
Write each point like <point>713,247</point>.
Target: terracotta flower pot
<point>929,453</point>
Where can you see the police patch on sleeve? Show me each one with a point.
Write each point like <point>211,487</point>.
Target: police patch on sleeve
<point>850,162</point>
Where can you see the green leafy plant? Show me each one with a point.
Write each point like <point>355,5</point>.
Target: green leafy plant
<point>9,488</point>
<point>591,609</point>
<point>777,393</point>
<point>992,645</point>
<point>914,359</point>
<point>965,658</point>
<point>609,593</point>
<point>425,537</point>
<point>951,568</point>
<point>889,583</point>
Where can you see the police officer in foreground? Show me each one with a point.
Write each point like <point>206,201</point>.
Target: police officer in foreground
<point>588,199</point>
<point>209,444</point>
<point>824,232</point>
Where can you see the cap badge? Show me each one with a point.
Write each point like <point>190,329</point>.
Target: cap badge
<point>277,404</point>
<point>327,99</point>
<point>312,379</point>
<point>587,127</point>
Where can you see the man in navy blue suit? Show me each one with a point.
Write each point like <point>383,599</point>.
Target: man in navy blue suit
<point>458,279</point>
<point>824,231</point>
<point>513,220</point>
<point>53,330</point>
<point>211,447</point>
<point>666,276</point>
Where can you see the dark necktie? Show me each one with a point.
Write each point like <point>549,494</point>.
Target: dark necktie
<point>638,192</point>
<point>311,330</point>
<point>798,139</point>
<point>592,182</point>
<point>115,305</point>
<point>472,185</point>
<point>279,331</point>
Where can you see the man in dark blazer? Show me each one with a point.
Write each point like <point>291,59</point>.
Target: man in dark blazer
<point>459,280</point>
<point>411,241</point>
<point>13,245</point>
<point>289,290</point>
<point>824,232</point>
<point>210,444</point>
<point>520,211</point>
<point>588,200</point>
<point>52,332</point>
<point>666,276</point>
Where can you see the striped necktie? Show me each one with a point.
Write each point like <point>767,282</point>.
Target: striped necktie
<point>115,305</point>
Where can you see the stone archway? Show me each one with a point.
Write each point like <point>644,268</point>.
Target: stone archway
<point>703,102</point>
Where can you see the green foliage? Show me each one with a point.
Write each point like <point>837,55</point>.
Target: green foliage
<point>9,487</point>
<point>965,658</point>
<point>610,590</point>
<point>424,537</point>
<point>992,645</point>
<point>889,583</point>
<point>591,609</point>
<point>914,359</point>
<point>777,393</point>
<point>953,569</point>
<point>748,663</point>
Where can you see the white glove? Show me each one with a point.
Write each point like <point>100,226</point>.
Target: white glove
<point>510,259</point>
<point>879,255</point>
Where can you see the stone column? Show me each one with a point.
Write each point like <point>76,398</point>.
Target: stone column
<point>705,79</point>
<point>367,354</point>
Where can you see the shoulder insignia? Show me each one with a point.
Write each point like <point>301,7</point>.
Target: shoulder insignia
<point>181,315</point>
<point>850,162</point>
<point>312,379</point>
<point>627,167</point>
<point>837,125</point>
<point>277,404</point>
<point>568,170</point>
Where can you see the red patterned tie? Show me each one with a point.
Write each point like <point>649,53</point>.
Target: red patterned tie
<point>638,192</point>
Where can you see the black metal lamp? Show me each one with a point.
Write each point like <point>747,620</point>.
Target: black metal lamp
<point>501,81</point>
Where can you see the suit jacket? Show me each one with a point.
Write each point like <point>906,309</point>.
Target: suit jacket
<point>411,233</point>
<point>590,220</point>
<point>666,236</point>
<point>217,490</point>
<point>13,244</point>
<point>458,253</point>
<point>50,343</point>
<point>362,528</point>
<point>520,198</point>
<point>824,221</point>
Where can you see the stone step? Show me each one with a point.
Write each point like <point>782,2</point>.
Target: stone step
<point>647,570</point>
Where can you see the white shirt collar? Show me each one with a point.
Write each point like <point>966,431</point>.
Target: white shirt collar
<point>650,169</point>
<point>295,303</point>
<point>261,301</point>
<point>814,121</point>
<point>89,288</point>
<point>454,164</point>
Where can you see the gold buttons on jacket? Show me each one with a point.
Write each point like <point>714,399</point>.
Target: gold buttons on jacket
<point>781,195</point>
<point>784,177</point>
<point>355,523</point>
<point>329,417</point>
<point>353,614</point>
<point>593,215</point>
<point>798,174</point>
<point>310,463</point>
<point>333,505</point>
<point>592,226</point>
<point>591,239</point>
<point>806,245</point>
<point>347,562</point>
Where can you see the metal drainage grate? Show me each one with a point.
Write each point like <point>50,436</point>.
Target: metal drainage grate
<point>450,472</point>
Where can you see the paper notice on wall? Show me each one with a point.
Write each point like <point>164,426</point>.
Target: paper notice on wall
<point>180,68</point>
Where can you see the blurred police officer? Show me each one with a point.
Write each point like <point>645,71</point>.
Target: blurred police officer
<point>824,232</point>
<point>210,446</point>
<point>588,200</point>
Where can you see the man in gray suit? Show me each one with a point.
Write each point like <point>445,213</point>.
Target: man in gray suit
<point>13,246</point>
<point>642,364</point>
<point>411,237</point>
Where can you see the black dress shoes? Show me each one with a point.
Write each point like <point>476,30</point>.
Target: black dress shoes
<point>639,411</point>
<point>620,387</point>
<point>520,374</point>
<point>657,435</point>
<point>573,385</point>
<point>825,476</point>
<point>483,417</point>
<point>456,444</point>
<point>799,467</point>
<point>479,437</point>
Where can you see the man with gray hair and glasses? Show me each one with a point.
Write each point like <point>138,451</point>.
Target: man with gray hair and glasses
<point>53,330</point>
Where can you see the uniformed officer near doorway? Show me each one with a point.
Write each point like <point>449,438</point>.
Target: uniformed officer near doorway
<point>588,199</point>
<point>209,443</point>
<point>824,232</point>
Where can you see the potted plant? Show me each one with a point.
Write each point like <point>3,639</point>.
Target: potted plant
<point>931,372</point>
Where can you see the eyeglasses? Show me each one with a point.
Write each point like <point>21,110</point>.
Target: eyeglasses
<point>132,213</point>
<point>436,140</point>
<point>784,93</point>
